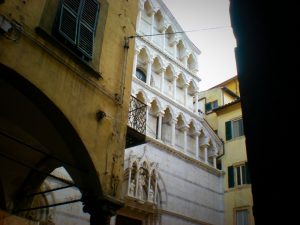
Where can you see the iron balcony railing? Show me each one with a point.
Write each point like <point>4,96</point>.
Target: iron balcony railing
<point>137,115</point>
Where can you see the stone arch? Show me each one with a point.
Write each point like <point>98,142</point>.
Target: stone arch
<point>148,7</point>
<point>42,139</point>
<point>142,96</point>
<point>144,56</point>
<point>181,50</point>
<point>192,63</point>
<point>152,124</point>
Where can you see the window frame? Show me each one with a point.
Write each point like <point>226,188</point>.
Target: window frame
<point>232,131</point>
<point>238,175</point>
<point>86,53</point>
<point>241,209</point>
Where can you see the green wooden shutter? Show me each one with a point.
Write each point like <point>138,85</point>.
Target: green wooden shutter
<point>207,107</point>
<point>87,27</point>
<point>68,21</point>
<point>228,130</point>
<point>248,180</point>
<point>230,176</point>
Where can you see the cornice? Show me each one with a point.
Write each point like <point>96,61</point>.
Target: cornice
<point>183,217</point>
<point>183,156</point>
<point>139,36</point>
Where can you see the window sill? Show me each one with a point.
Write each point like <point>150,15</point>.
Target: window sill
<point>235,138</point>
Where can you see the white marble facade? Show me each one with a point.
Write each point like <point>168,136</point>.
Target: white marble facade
<point>177,165</point>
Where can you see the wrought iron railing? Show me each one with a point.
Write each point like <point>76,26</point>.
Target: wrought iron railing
<point>137,115</point>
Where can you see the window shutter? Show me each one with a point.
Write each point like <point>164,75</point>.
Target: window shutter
<point>248,180</point>
<point>68,21</point>
<point>230,176</point>
<point>207,107</point>
<point>228,130</point>
<point>87,27</point>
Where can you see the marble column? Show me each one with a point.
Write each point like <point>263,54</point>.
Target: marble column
<point>196,135</point>
<point>174,87</point>
<point>196,102</point>
<point>215,161</point>
<point>173,131</point>
<point>185,89</point>
<point>162,82</point>
<point>185,130</point>
<point>149,71</point>
<point>136,53</point>
<point>152,25</point>
<point>160,116</point>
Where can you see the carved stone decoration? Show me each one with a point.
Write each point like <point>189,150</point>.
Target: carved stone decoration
<point>142,179</point>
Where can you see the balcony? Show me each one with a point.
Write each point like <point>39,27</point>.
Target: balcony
<point>136,127</point>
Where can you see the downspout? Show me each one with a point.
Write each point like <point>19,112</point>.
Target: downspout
<point>120,97</point>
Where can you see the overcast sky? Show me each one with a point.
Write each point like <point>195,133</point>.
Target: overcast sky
<point>217,60</point>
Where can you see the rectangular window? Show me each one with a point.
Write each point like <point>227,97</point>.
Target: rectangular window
<point>76,25</point>
<point>211,105</point>
<point>242,217</point>
<point>238,175</point>
<point>234,128</point>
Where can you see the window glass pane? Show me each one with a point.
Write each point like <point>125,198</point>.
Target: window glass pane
<point>243,175</point>
<point>242,217</point>
<point>140,75</point>
<point>238,175</point>
<point>237,128</point>
<point>241,127</point>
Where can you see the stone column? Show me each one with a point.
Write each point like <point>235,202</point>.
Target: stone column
<point>174,87</point>
<point>185,129</point>
<point>185,59</point>
<point>160,116</point>
<point>173,131</point>
<point>215,161</point>
<point>149,71</point>
<point>139,18</point>
<point>205,153</point>
<point>175,48</point>
<point>152,25</point>
<point>149,183</point>
<point>129,180</point>
<point>185,89</point>
<point>162,82</point>
<point>155,187</point>
<point>196,102</point>
<point>137,177</point>
<point>196,135</point>
<point>136,53</point>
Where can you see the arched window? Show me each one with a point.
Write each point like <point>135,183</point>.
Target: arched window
<point>140,75</point>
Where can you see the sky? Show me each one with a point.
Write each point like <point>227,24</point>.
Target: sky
<point>217,60</point>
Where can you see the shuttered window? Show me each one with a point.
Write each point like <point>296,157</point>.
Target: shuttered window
<point>234,128</point>
<point>238,175</point>
<point>77,24</point>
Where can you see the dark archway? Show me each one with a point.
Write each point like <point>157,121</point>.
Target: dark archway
<point>35,138</point>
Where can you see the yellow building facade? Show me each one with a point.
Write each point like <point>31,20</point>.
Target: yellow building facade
<point>65,78</point>
<point>223,112</point>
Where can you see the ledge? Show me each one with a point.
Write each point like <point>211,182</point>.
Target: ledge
<point>181,155</point>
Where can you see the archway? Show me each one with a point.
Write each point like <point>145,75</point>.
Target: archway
<point>35,139</point>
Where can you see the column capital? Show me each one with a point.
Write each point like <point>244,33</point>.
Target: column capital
<point>149,61</point>
<point>196,133</point>
<point>185,128</point>
<point>205,145</point>
<point>162,70</point>
<point>160,114</point>
<point>173,121</point>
